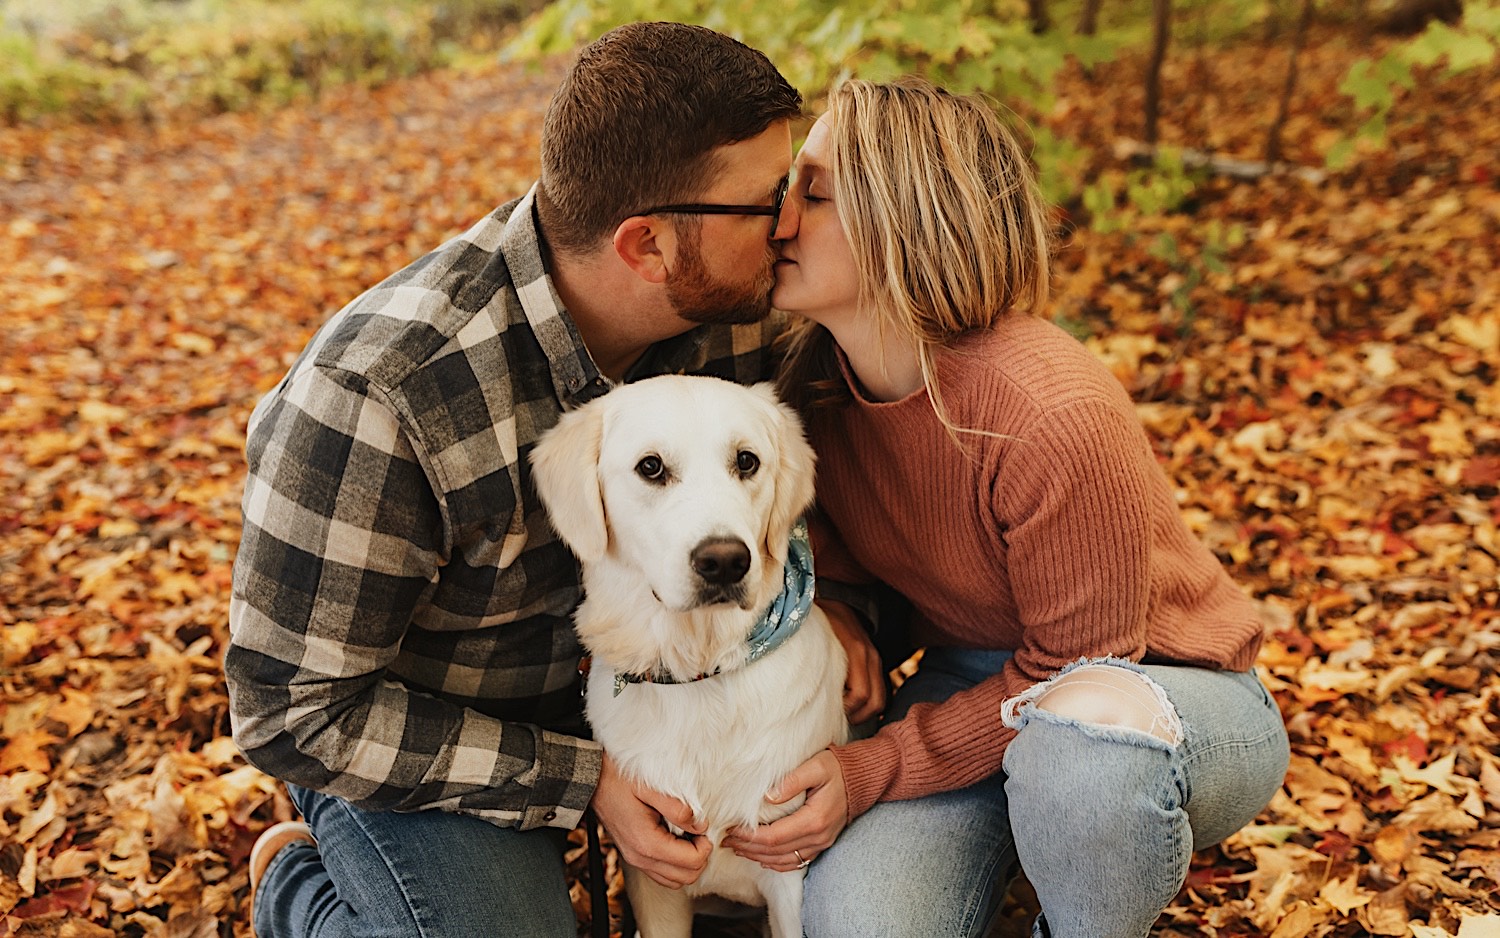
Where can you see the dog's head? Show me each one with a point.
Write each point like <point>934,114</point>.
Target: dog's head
<point>691,482</point>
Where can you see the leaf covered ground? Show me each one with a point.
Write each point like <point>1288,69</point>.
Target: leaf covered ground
<point>1316,362</point>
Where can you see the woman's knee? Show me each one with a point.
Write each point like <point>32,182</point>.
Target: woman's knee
<point>1100,694</point>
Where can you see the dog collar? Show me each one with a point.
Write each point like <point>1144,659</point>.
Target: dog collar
<point>780,622</point>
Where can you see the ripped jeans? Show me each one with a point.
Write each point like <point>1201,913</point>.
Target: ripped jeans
<point>1102,820</point>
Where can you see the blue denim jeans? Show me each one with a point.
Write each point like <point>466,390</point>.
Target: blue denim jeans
<point>1102,821</point>
<point>427,874</point>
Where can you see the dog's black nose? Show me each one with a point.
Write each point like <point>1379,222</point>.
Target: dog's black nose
<point>721,561</point>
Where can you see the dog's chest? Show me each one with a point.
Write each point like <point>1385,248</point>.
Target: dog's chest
<point>708,745</point>
<point>719,744</point>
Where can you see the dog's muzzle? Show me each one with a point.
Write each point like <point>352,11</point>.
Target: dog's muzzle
<point>720,563</point>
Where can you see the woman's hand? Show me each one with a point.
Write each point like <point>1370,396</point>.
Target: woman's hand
<point>797,839</point>
<point>864,686</point>
<point>634,813</point>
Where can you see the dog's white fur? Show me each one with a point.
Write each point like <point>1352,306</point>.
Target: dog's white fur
<point>720,743</point>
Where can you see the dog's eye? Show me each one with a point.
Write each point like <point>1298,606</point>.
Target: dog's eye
<point>746,462</point>
<point>651,469</point>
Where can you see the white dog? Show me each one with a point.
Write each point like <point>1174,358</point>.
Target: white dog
<point>713,675</point>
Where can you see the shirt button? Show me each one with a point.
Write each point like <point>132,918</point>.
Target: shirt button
<point>550,816</point>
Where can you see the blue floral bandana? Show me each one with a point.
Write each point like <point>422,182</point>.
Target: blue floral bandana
<point>781,621</point>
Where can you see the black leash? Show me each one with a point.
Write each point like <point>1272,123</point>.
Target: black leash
<point>598,888</point>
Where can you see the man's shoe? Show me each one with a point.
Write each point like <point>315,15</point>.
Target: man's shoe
<point>271,842</point>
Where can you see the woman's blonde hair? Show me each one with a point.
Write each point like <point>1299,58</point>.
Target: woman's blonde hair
<point>941,209</point>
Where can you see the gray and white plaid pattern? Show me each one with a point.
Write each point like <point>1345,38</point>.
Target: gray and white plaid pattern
<point>401,613</point>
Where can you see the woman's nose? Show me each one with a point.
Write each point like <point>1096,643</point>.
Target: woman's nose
<point>790,220</point>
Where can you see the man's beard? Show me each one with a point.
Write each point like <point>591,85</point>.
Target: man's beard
<point>697,297</point>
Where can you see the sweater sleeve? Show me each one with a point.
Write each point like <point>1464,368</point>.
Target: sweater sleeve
<point>1072,501</point>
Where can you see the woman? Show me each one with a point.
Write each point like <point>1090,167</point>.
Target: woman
<point>1085,709</point>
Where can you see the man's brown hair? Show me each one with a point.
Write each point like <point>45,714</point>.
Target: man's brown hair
<point>635,123</point>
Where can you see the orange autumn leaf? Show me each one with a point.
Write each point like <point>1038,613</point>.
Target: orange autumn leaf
<point>27,750</point>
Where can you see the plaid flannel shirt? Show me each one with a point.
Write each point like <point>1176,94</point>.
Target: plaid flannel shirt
<point>400,622</point>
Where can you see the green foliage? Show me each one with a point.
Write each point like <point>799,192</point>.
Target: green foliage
<point>1116,200</point>
<point>1373,83</point>
<point>965,45</point>
<point>34,83</point>
<point>1218,241</point>
<point>122,59</point>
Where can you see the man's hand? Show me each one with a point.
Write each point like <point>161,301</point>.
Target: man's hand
<point>864,687</point>
<point>807,831</point>
<point>634,815</point>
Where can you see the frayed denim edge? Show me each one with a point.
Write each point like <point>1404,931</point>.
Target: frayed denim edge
<point>1019,710</point>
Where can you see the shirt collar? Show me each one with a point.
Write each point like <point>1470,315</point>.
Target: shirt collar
<point>575,377</point>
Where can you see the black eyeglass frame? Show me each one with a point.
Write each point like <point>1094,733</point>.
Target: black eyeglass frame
<point>708,208</point>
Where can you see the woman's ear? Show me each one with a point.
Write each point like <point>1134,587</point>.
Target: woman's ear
<point>646,245</point>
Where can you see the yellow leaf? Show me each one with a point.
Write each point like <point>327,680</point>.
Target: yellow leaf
<point>75,711</point>
<point>27,750</point>
<point>1436,813</point>
<point>45,446</point>
<point>1299,922</point>
<point>1448,435</point>
<point>101,414</point>
<point>193,342</point>
<point>176,587</point>
<point>1392,845</point>
<point>1345,894</point>
<point>118,527</point>
<point>1261,834</point>
<point>1479,926</point>
<point>72,863</point>
<point>1438,775</point>
<point>1489,779</point>
<point>1480,331</point>
<point>50,296</point>
<point>1322,676</point>
<point>40,819</point>
<point>1387,913</point>
<point>1355,568</point>
<point>16,642</point>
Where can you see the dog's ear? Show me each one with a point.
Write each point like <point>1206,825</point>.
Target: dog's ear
<point>566,471</point>
<point>793,478</point>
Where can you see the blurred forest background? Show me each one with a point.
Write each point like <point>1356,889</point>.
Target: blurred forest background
<point>1279,224</point>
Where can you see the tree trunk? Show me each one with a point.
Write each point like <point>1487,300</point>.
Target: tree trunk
<point>1040,21</point>
<point>1299,39</point>
<point>1161,14</point>
<point>1409,17</point>
<point>1088,20</point>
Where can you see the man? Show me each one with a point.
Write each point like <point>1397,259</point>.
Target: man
<point>401,653</point>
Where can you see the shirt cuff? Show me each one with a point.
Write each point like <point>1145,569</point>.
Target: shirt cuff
<point>569,773</point>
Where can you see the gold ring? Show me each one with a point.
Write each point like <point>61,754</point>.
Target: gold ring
<point>802,863</point>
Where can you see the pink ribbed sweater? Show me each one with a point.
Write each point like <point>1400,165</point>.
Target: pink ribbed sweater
<point>1060,540</point>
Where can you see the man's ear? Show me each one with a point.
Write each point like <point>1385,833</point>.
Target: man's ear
<point>646,245</point>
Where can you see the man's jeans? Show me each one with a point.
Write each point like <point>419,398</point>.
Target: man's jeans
<point>428,874</point>
<point>1103,822</point>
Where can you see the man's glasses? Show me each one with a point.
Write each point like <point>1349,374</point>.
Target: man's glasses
<point>773,210</point>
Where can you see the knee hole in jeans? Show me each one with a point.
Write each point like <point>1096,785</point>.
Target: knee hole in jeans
<point>1107,695</point>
